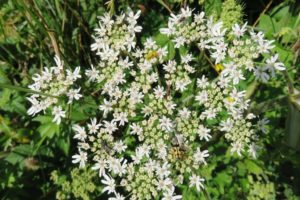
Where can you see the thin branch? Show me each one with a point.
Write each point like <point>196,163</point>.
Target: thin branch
<point>263,12</point>
<point>164,5</point>
<point>21,89</point>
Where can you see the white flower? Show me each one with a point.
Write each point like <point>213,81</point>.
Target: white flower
<point>237,95</point>
<point>273,64</point>
<point>261,124</point>
<point>110,127</point>
<point>163,184</point>
<point>168,195</point>
<point>170,66</point>
<point>159,92</point>
<point>238,31</point>
<point>73,75</point>
<point>133,17</point>
<point>209,113</point>
<point>181,84</point>
<point>186,58</point>
<point>58,114</point>
<point>73,94</point>
<point>196,181</point>
<point>92,74</point>
<point>202,97</point>
<point>203,133</point>
<point>261,74</point>
<point>81,134</point>
<point>216,30</point>
<point>237,147</point>
<point>186,12</point>
<point>165,124</point>
<point>100,165</point>
<point>252,150</point>
<point>35,107</point>
<point>184,113</point>
<point>125,63</point>
<point>200,156</point>
<point>106,107</point>
<point>163,171</point>
<point>119,146</point>
<point>121,117</point>
<point>93,126</point>
<point>59,62</point>
<point>80,158</point>
<point>265,45</point>
<point>168,31</point>
<point>203,82</point>
<point>236,76</point>
<point>117,197</point>
<point>226,125</point>
<point>179,41</point>
<point>116,166</point>
<point>110,184</point>
<point>136,129</point>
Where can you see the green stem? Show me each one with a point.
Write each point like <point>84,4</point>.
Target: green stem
<point>22,89</point>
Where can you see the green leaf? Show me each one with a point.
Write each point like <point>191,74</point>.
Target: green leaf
<point>213,7</point>
<point>48,130</point>
<point>223,179</point>
<point>5,97</point>
<point>24,149</point>
<point>253,167</point>
<point>171,50</point>
<point>14,158</point>
<point>64,145</point>
<point>292,123</point>
<point>43,119</point>
<point>78,116</point>
<point>161,40</point>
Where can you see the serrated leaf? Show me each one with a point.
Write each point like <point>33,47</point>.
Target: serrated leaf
<point>78,116</point>
<point>14,158</point>
<point>48,130</point>
<point>25,150</point>
<point>43,119</point>
<point>253,167</point>
<point>161,39</point>
<point>64,145</point>
<point>171,50</point>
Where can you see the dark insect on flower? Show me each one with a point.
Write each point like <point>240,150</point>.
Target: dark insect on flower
<point>105,146</point>
<point>178,149</point>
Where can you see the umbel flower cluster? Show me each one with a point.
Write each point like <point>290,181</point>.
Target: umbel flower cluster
<point>158,112</point>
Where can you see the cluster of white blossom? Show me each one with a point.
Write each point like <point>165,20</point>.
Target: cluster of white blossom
<point>51,85</point>
<point>158,114</point>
